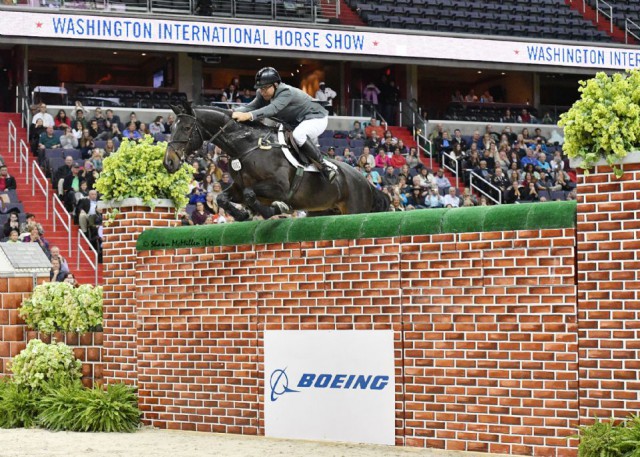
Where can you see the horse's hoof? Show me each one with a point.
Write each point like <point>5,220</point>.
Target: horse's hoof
<point>281,206</point>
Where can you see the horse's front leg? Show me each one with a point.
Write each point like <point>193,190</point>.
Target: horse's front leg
<point>267,212</point>
<point>227,199</point>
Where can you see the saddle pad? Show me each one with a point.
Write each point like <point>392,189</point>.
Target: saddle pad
<point>292,160</point>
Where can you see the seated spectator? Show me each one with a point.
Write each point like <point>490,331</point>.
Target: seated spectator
<point>80,117</point>
<point>7,182</point>
<point>12,223</point>
<point>61,121</point>
<point>56,274</point>
<point>500,181</point>
<point>144,130</point>
<point>246,96</point>
<point>109,148</point>
<point>542,164</point>
<point>366,157</point>
<point>156,128</point>
<point>547,119</point>
<point>68,140</point>
<point>198,194</point>
<point>34,237</point>
<point>85,209</point>
<point>389,142</point>
<point>381,159</point>
<point>210,205</point>
<point>413,161</point>
<point>356,133</point>
<point>486,97</point>
<point>95,132</point>
<point>331,153</point>
<point>14,237</point>
<point>112,119</point>
<point>77,130</point>
<point>47,119</point>
<point>374,127</point>
<point>48,140</point>
<point>389,178</point>
<point>373,142</point>
<point>434,199</point>
<point>397,160</point>
<point>471,97</point>
<point>29,224</point>
<point>426,178</point>
<point>71,185</point>
<point>442,182</point>
<point>86,144</point>
<point>133,119</point>
<point>529,159</point>
<point>132,132</point>
<point>71,279</point>
<point>199,215</point>
<point>348,157</point>
<point>416,199</point>
<point>451,200</point>
<point>525,117</point>
<point>55,254</point>
<point>374,175</point>
<point>396,204</point>
<point>508,117</point>
<point>171,119</point>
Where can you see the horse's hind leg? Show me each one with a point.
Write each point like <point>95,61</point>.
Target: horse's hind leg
<point>224,201</point>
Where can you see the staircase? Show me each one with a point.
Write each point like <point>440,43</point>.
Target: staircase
<point>602,23</point>
<point>36,204</point>
<point>348,16</point>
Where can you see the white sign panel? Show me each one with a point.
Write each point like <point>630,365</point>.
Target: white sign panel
<point>330,385</point>
<point>165,31</point>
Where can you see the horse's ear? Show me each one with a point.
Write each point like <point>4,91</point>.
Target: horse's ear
<point>188,108</point>
<point>177,109</point>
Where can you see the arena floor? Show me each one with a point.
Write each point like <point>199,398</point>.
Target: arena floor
<point>166,443</point>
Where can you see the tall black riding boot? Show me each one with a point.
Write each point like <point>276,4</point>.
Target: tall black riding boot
<point>313,153</point>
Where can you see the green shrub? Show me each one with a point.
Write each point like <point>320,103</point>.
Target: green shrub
<point>605,122</point>
<point>18,405</point>
<point>42,365</point>
<point>136,170</point>
<point>610,439</point>
<point>75,408</point>
<point>58,306</point>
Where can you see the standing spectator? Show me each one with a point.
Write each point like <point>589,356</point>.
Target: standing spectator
<point>326,95</point>
<point>371,93</point>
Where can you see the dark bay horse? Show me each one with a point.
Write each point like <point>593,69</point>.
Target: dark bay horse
<point>261,174</point>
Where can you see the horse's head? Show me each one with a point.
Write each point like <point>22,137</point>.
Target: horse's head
<point>190,131</point>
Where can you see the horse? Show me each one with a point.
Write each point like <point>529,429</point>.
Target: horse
<point>264,180</point>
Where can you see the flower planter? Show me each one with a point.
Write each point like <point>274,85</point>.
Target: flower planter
<point>133,202</point>
<point>632,157</point>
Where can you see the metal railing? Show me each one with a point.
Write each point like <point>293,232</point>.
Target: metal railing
<point>24,158</point>
<point>289,10</point>
<point>83,251</point>
<point>484,182</point>
<point>628,24</point>
<point>604,13</point>
<point>425,146</point>
<point>363,108</point>
<point>40,180</point>
<point>454,169</point>
<point>12,139</point>
<point>59,214</point>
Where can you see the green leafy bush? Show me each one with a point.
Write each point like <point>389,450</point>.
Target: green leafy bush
<point>58,306</point>
<point>605,122</point>
<point>610,439</point>
<point>74,408</point>
<point>136,170</point>
<point>18,405</point>
<point>42,365</point>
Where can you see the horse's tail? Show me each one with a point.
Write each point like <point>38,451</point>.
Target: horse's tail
<point>381,201</point>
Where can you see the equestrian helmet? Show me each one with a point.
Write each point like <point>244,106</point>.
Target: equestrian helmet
<point>267,76</point>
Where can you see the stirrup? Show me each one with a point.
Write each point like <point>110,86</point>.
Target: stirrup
<point>328,173</point>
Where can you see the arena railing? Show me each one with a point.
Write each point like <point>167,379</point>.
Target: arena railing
<point>40,180</point>
<point>604,10</point>
<point>82,251</point>
<point>628,25</point>
<point>60,213</point>
<point>12,139</point>
<point>480,181</point>
<point>454,169</point>
<point>425,147</point>
<point>297,11</point>
<point>24,159</point>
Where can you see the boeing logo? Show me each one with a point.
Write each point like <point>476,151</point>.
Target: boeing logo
<point>279,382</point>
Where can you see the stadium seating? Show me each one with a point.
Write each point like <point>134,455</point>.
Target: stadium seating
<point>521,18</point>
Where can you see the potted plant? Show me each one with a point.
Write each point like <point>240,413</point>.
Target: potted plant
<point>604,124</point>
<point>136,170</point>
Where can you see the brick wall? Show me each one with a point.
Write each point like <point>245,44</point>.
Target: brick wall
<point>486,345</point>
<point>120,318</point>
<point>608,284</point>
<point>12,329</point>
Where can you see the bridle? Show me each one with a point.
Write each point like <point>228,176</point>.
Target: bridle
<point>195,125</point>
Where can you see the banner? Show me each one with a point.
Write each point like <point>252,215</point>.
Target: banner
<point>352,43</point>
<point>330,385</point>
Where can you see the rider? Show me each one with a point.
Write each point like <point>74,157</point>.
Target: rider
<point>293,106</point>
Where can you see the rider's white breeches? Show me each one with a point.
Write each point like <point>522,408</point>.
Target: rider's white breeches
<point>311,128</point>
